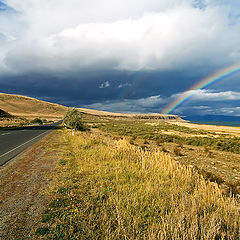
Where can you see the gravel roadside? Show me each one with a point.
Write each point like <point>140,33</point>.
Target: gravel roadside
<point>22,182</point>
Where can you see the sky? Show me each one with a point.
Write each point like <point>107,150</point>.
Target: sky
<point>122,56</point>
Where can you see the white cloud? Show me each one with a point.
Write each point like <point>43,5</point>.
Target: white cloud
<point>105,85</point>
<point>211,95</point>
<point>59,35</point>
<point>124,85</point>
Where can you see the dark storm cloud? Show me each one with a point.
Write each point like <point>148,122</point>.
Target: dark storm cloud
<point>107,56</point>
<point>84,87</point>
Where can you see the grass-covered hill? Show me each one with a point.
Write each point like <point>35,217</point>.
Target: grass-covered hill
<point>4,114</point>
<point>98,113</point>
<point>23,106</point>
<point>28,107</point>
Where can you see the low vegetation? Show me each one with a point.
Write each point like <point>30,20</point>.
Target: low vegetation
<point>4,114</point>
<point>73,119</point>
<point>8,120</point>
<point>214,155</point>
<point>36,121</point>
<point>107,188</point>
<point>159,132</point>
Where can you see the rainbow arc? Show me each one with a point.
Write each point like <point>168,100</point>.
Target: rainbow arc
<point>204,83</point>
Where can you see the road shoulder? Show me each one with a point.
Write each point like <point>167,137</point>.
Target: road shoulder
<point>21,184</point>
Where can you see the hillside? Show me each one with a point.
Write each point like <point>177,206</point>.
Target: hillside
<point>23,106</point>
<point>28,107</point>
<point>4,114</point>
<point>130,115</point>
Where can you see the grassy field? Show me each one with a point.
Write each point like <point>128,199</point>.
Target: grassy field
<point>107,188</point>
<point>215,155</point>
<point>172,133</point>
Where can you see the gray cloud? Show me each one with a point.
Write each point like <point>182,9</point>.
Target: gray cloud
<point>130,105</point>
<point>217,103</point>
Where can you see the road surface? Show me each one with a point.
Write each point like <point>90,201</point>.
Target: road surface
<point>14,141</point>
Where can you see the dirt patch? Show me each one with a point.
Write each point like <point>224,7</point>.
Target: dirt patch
<point>21,184</point>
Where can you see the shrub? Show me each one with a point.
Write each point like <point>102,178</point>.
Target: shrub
<point>177,151</point>
<point>73,119</point>
<point>164,149</point>
<point>180,145</point>
<point>131,142</point>
<point>36,121</point>
<point>44,120</point>
<point>134,137</point>
<point>146,142</point>
<point>159,142</point>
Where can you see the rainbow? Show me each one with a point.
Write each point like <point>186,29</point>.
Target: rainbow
<point>204,83</point>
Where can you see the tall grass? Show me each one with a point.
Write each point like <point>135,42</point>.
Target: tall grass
<point>114,190</point>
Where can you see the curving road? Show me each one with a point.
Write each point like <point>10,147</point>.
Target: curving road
<point>14,141</point>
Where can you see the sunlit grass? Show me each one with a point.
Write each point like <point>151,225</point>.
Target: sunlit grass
<point>114,190</point>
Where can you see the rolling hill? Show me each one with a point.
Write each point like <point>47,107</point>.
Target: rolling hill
<point>130,115</point>
<point>22,106</point>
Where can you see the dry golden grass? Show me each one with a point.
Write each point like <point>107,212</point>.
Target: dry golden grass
<point>220,163</point>
<point>110,189</point>
<point>235,131</point>
<point>30,108</point>
<point>4,122</point>
<point>130,115</point>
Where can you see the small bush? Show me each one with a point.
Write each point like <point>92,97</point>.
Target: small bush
<point>145,142</point>
<point>177,151</point>
<point>144,147</point>
<point>159,142</point>
<point>63,162</point>
<point>206,149</point>
<point>131,142</point>
<point>180,145</point>
<point>164,149</point>
<point>42,231</point>
<point>36,121</point>
<point>73,119</point>
<point>134,138</point>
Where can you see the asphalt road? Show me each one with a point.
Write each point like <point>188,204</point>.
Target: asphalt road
<point>14,141</point>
